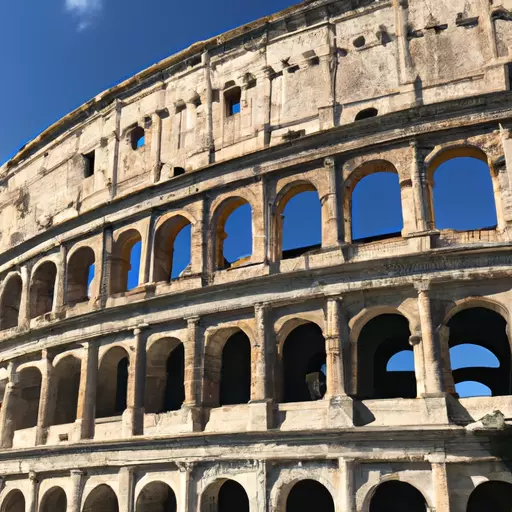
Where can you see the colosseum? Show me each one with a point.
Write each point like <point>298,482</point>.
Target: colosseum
<point>262,384</point>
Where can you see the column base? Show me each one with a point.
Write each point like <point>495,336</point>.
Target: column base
<point>133,421</point>
<point>340,412</point>
<point>434,408</point>
<point>82,429</point>
<point>261,415</point>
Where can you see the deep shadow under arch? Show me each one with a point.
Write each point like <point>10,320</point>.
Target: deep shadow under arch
<point>309,495</point>
<point>493,496</point>
<point>14,502</point>
<point>488,329</point>
<point>224,496</point>
<point>156,497</point>
<point>304,360</point>
<point>380,339</point>
<point>235,378</point>
<point>101,499</point>
<point>54,500</point>
<point>397,496</point>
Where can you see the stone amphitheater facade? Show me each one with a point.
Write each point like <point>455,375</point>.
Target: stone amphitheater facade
<point>196,393</point>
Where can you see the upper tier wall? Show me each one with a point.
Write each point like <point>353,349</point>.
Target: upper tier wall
<point>310,68</point>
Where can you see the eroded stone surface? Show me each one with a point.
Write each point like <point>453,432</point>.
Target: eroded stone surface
<point>329,92</point>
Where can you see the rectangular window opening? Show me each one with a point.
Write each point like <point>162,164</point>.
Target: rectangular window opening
<point>233,101</point>
<point>89,164</point>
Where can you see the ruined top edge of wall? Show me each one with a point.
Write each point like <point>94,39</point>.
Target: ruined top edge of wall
<point>108,96</point>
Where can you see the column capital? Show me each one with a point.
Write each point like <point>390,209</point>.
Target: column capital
<point>422,285</point>
<point>193,320</point>
<point>329,162</point>
<point>32,476</point>
<point>141,327</point>
<point>77,472</point>
<point>262,306</point>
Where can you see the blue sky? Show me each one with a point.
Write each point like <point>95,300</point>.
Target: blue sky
<point>57,54</point>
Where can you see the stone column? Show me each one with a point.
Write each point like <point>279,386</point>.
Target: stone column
<point>156,145</point>
<point>261,487</point>
<point>419,361</point>
<point>185,471</point>
<point>330,207</point>
<point>61,281</point>
<point>24,313</point>
<point>126,489</point>
<point>434,378</point>
<point>205,59</point>
<point>106,265</point>
<point>133,416</point>
<point>333,348</point>
<point>262,357</point>
<point>261,383</point>
<point>75,495</point>
<point>193,363</point>
<point>193,372</point>
<point>440,481</point>
<point>444,340</point>
<point>347,497</point>
<point>46,400</point>
<point>421,212</point>
<point>32,492</point>
<point>86,407</point>
<point>7,425</point>
<point>267,100</point>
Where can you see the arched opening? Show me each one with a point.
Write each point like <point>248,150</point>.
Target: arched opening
<point>101,499</point>
<point>367,112</point>
<point>42,289</point>
<point>10,302</point>
<point>299,221</point>
<point>80,273</point>
<point>165,374</point>
<point>138,137</point>
<point>67,382</point>
<point>399,497</point>
<point>234,243</point>
<point>172,248</point>
<point>304,360</point>
<point>471,388</point>
<point>478,341</point>
<point>14,502</point>
<point>308,495</point>
<point>493,495</point>
<point>112,389</point>
<point>377,208</point>
<point>225,496</point>
<point>381,341</point>
<point>156,497</point>
<point>463,192</point>
<point>29,393</point>
<point>126,256</point>
<point>54,500</point>
<point>235,375</point>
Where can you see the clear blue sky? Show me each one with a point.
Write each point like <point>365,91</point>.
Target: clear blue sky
<point>57,54</point>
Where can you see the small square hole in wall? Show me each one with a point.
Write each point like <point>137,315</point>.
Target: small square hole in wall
<point>233,98</point>
<point>89,164</point>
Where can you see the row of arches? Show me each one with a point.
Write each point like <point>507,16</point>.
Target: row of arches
<point>373,197</point>
<point>226,495</point>
<point>478,345</point>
